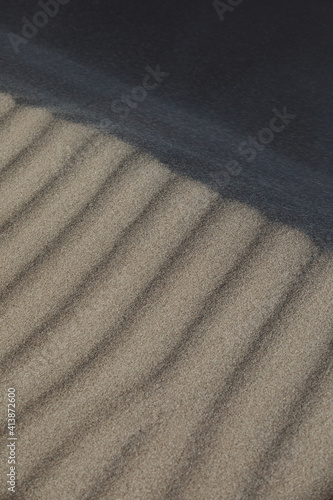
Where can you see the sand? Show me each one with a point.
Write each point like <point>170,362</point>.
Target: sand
<point>163,342</point>
<point>166,339</point>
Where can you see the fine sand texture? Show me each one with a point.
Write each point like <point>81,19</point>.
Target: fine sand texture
<point>163,342</point>
<point>169,336</point>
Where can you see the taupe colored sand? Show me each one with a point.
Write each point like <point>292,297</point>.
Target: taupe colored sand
<point>167,323</point>
<point>164,342</point>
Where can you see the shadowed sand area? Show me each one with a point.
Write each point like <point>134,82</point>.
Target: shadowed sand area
<point>167,339</point>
